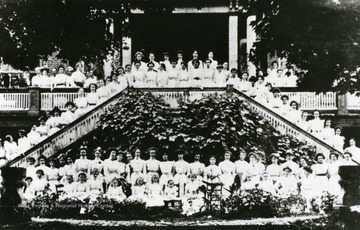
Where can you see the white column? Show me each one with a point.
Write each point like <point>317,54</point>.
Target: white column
<point>233,41</point>
<point>250,40</point>
<point>126,50</point>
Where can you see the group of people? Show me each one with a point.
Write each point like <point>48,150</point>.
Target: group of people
<point>156,181</point>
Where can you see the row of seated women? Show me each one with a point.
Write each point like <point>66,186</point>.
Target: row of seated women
<point>158,178</point>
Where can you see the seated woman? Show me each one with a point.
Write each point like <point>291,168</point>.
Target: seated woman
<point>96,182</point>
<point>103,92</point>
<point>155,192</point>
<point>69,186</point>
<point>54,123</point>
<point>287,184</point>
<point>307,187</point>
<point>68,169</point>
<point>192,200</point>
<point>115,191</point>
<point>171,191</point>
<point>81,187</point>
<point>338,140</point>
<point>68,116</point>
<point>42,129</point>
<point>267,184</point>
<point>212,172</point>
<point>81,104</point>
<point>40,183</point>
<point>139,189</point>
<point>33,136</point>
<point>294,114</point>
<point>28,190</point>
<point>328,133</point>
<point>316,125</point>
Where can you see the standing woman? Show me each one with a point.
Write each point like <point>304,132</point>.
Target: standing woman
<point>245,85</point>
<point>320,170</point>
<point>78,77</point>
<point>138,74</point>
<point>139,59</point>
<point>338,140</point>
<point>303,122</point>
<point>241,165</point>
<point>92,97</point>
<point>173,72</point>
<point>208,74</point>
<point>316,125</point>
<point>97,163</point>
<point>334,186</point>
<point>152,166</point>
<point>82,164</point>
<point>274,169</point>
<point>111,168</point>
<point>212,172</point>
<point>81,103</point>
<point>214,63</point>
<point>183,76</point>
<point>121,165</point>
<point>227,173</point>
<point>53,175</point>
<point>328,133</point>
<point>68,169</point>
<point>151,76</point>
<point>42,129</point>
<point>137,167</point>
<point>166,168</point>
<point>255,170</point>
<point>10,147</point>
<point>294,114</point>
<point>162,76</point>
<point>196,74</point>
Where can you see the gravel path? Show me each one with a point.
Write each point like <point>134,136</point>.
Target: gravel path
<point>140,223</point>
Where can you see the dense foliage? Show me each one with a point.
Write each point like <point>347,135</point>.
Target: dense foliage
<point>210,125</point>
<point>319,36</point>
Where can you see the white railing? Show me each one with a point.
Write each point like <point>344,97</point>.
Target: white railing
<point>50,100</point>
<point>353,101</point>
<point>286,127</point>
<point>67,135</point>
<point>14,101</point>
<point>312,101</point>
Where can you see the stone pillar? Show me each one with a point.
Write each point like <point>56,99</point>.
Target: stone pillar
<point>35,101</point>
<point>250,40</point>
<point>11,209</point>
<point>342,104</point>
<point>233,40</point>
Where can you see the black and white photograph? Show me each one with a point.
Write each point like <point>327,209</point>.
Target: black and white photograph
<point>180,114</point>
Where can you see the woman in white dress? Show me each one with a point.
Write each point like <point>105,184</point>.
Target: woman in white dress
<point>287,184</point>
<point>111,169</point>
<point>212,172</point>
<point>338,140</point>
<point>196,74</point>
<point>214,63</point>
<point>197,168</point>
<point>220,76</point>
<point>183,76</point>
<point>81,187</point>
<point>334,186</point>
<point>152,166</point>
<point>136,167</point>
<point>81,104</point>
<point>53,175</point>
<point>255,169</point>
<point>33,136</point>
<point>173,78</point>
<point>244,84</point>
<point>68,169</point>
<point>162,76</point>
<point>54,122</point>
<point>166,168</point>
<point>303,122</point>
<point>155,192</point>
<point>102,91</point>
<point>82,164</point>
<point>39,183</point>
<point>208,73</point>
<point>10,147</point>
<point>151,76</point>
<point>92,97</point>
<point>316,125</point>
<point>96,182</point>
<point>227,173</point>
<point>138,75</point>
<point>355,151</point>
<point>274,169</point>
<point>97,163</point>
<point>307,187</point>
<point>42,129</point>
<point>181,169</point>
<point>241,165</point>
<point>115,191</point>
<point>320,170</point>
<point>328,133</point>
<point>294,114</point>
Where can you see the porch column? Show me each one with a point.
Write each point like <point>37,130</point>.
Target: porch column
<point>342,104</point>
<point>126,50</point>
<point>250,40</point>
<point>233,41</point>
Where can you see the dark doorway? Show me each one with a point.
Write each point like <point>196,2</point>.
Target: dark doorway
<point>187,32</point>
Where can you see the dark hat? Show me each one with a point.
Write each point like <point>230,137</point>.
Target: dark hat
<point>308,169</point>
<point>333,153</point>
<point>31,159</point>
<point>42,118</point>
<point>166,53</point>
<point>81,173</point>
<point>40,171</point>
<point>56,110</point>
<point>277,155</point>
<point>289,152</point>
<point>252,154</point>
<point>137,53</point>
<point>319,154</point>
<point>287,167</point>
<point>83,147</point>
<point>29,177</point>
<point>179,52</point>
<point>275,90</point>
<point>44,68</point>
<point>284,96</point>
<point>69,103</point>
<point>347,152</point>
<point>150,63</point>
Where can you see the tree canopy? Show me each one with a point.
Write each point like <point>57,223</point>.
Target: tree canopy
<point>320,36</point>
<point>78,29</point>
